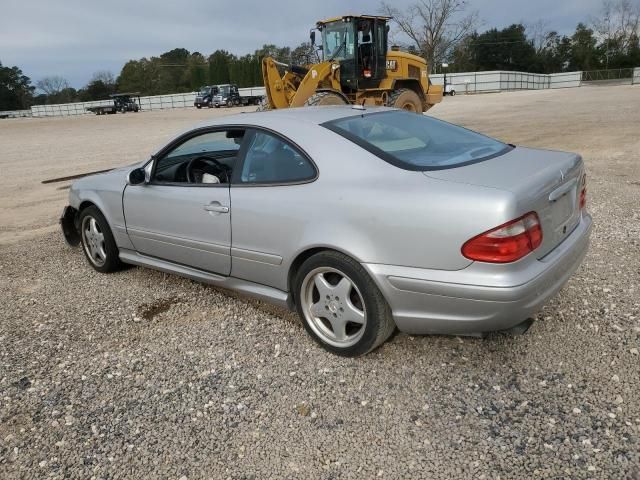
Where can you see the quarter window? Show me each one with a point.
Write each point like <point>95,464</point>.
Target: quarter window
<point>272,160</point>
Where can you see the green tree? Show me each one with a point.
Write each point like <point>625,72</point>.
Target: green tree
<point>584,53</point>
<point>197,73</point>
<point>140,76</point>
<point>506,49</point>
<point>173,65</point>
<point>16,91</point>
<point>219,62</point>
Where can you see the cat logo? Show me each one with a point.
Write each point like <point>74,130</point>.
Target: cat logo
<point>392,65</point>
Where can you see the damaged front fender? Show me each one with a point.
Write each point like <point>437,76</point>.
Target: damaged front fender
<point>69,227</point>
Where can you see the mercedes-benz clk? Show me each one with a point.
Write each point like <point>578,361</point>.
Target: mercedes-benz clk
<point>363,220</point>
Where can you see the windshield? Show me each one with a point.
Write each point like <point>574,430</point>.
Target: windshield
<point>337,41</point>
<point>417,142</point>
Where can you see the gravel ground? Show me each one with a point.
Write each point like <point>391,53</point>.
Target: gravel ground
<point>144,375</point>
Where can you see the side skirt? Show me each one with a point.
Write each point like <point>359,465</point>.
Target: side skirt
<point>262,292</point>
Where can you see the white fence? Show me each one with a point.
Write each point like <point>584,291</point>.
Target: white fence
<point>15,113</point>
<point>497,81</point>
<point>156,102</point>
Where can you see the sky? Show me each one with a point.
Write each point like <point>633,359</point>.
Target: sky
<point>75,38</point>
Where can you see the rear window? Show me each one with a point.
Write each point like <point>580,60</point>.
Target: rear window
<point>417,142</point>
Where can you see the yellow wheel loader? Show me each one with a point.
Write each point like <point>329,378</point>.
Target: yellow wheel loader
<point>356,68</point>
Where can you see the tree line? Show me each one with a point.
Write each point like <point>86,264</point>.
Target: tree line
<point>446,31</point>
<point>441,31</point>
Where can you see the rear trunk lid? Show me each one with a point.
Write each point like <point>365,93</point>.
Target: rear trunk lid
<point>544,181</point>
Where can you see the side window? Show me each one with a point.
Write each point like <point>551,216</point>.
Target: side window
<point>206,158</point>
<point>272,160</point>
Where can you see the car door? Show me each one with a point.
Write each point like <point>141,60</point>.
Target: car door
<point>266,188</point>
<point>182,214</point>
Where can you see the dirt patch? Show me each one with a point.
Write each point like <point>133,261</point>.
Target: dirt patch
<point>149,311</point>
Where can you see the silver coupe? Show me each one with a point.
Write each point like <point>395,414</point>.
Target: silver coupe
<point>363,220</point>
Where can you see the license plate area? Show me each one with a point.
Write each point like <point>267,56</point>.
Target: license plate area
<point>563,208</point>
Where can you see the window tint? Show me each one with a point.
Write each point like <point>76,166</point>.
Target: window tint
<point>417,142</point>
<point>205,143</point>
<point>271,160</point>
<point>206,158</point>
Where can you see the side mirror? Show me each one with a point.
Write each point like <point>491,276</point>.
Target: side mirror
<point>137,176</point>
<point>312,37</point>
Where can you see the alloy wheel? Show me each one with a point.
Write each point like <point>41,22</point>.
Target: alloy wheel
<point>93,241</point>
<point>333,307</point>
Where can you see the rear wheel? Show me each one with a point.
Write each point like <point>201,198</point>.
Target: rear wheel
<point>340,305</point>
<point>324,98</point>
<point>406,99</point>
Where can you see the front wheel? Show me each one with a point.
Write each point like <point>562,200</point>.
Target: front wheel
<point>97,240</point>
<point>340,305</point>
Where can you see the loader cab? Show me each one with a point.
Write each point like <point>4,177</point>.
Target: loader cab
<point>359,45</point>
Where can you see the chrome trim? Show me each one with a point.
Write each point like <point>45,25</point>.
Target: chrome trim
<point>255,256</point>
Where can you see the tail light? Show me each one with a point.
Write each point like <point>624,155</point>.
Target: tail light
<point>506,243</point>
<point>583,192</point>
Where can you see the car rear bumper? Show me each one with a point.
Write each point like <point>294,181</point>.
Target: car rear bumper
<point>482,297</point>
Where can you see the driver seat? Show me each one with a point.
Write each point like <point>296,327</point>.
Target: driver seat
<point>209,178</point>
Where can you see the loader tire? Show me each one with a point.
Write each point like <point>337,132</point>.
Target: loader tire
<point>324,98</point>
<point>406,99</point>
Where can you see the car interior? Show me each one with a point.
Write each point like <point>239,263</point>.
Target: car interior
<point>210,158</point>
<point>207,158</point>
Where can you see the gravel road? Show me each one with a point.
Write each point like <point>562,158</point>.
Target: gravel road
<point>144,375</point>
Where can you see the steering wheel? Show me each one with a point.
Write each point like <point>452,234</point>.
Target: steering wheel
<point>199,165</point>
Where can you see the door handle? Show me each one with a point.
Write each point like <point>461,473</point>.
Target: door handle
<point>216,207</point>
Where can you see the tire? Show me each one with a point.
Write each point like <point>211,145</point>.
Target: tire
<point>453,93</point>
<point>198,107</point>
<point>346,293</point>
<point>405,99</point>
<point>98,244</point>
<point>324,98</point>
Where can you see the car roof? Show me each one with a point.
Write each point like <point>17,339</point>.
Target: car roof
<point>313,115</point>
